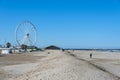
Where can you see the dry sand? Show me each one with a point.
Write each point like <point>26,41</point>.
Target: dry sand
<point>58,65</point>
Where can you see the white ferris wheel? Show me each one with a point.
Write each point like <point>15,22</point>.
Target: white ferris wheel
<point>26,34</point>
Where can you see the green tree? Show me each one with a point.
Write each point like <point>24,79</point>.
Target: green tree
<point>24,47</point>
<point>8,44</point>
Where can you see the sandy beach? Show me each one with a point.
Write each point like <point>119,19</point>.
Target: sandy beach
<point>58,65</point>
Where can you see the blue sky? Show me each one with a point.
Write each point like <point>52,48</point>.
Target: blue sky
<point>65,23</point>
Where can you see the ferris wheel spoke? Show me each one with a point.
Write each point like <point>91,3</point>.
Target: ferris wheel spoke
<point>31,42</point>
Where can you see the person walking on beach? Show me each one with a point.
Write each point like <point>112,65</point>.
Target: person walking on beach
<point>90,55</point>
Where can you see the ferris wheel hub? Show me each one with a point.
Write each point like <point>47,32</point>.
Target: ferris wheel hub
<point>27,34</point>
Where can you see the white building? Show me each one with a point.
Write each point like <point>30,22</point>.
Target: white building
<point>6,50</point>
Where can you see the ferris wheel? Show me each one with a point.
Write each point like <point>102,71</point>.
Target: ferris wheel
<point>26,34</point>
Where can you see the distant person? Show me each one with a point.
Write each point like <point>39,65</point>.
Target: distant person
<point>90,55</point>
<point>63,50</point>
